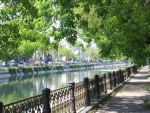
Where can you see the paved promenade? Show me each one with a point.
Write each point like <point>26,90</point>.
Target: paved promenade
<point>130,98</point>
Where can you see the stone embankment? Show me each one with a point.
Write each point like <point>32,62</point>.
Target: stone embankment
<point>4,73</point>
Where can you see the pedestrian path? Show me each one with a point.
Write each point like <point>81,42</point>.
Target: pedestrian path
<point>130,98</point>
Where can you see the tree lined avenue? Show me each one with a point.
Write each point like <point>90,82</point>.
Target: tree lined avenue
<point>120,28</point>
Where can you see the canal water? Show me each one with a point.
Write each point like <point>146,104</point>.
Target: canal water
<point>21,87</point>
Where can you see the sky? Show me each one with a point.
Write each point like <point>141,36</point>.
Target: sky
<point>1,5</point>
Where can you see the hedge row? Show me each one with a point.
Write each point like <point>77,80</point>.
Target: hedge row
<point>38,69</point>
<point>28,70</point>
<point>81,65</point>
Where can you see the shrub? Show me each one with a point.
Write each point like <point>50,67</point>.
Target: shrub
<point>26,70</point>
<point>37,69</point>
<point>13,71</point>
<point>71,65</point>
<point>59,67</point>
<point>146,104</point>
<point>46,68</point>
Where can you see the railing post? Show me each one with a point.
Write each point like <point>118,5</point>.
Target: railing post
<point>110,78</point>
<point>1,107</point>
<point>126,74</point>
<point>120,74</point>
<point>105,89</point>
<point>72,85</point>
<point>128,71</point>
<point>96,77</point>
<point>114,78</point>
<point>46,94</point>
<point>123,75</point>
<point>87,91</point>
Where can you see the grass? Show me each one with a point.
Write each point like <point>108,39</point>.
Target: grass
<point>148,77</point>
<point>3,68</point>
<point>148,86</point>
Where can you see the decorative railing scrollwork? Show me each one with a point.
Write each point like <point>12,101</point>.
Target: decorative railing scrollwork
<point>60,99</point>
<point>79,95</point>
<point>33,104</point>
<point>101,85</point>
<point>92,89</point>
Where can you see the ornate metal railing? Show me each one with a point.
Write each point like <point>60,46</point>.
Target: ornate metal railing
<point>101,84</point>
<point>79,95</point>
<point>92,89</point>
<point>29,105</point>
<point>70,98</point>
<point>60,100</point>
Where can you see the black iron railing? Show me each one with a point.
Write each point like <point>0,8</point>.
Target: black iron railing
<point>27,105</point>
<point>70,98</point>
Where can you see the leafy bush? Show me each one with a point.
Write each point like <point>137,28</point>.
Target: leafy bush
<point>146,104</point>
<point>59,67</point>
<point>71,65</point>
<point>46,68</point>
<point>13,71</point>
<point>148,87</point>
<point>37,69</point>
<point>26,70</point>
<point>75,65</point>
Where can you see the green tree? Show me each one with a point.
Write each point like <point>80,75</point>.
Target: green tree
<point>48,58</point>
<point>62,51</point>
<point>118,27</point>
<point>93,53</point>
<point>23,30</point>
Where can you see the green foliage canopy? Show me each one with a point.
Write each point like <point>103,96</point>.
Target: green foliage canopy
<point>62,51</point>
<point>118,27</point>
<point>24,29</point>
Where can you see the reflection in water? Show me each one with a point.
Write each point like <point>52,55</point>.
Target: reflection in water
<point>21,87</point>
